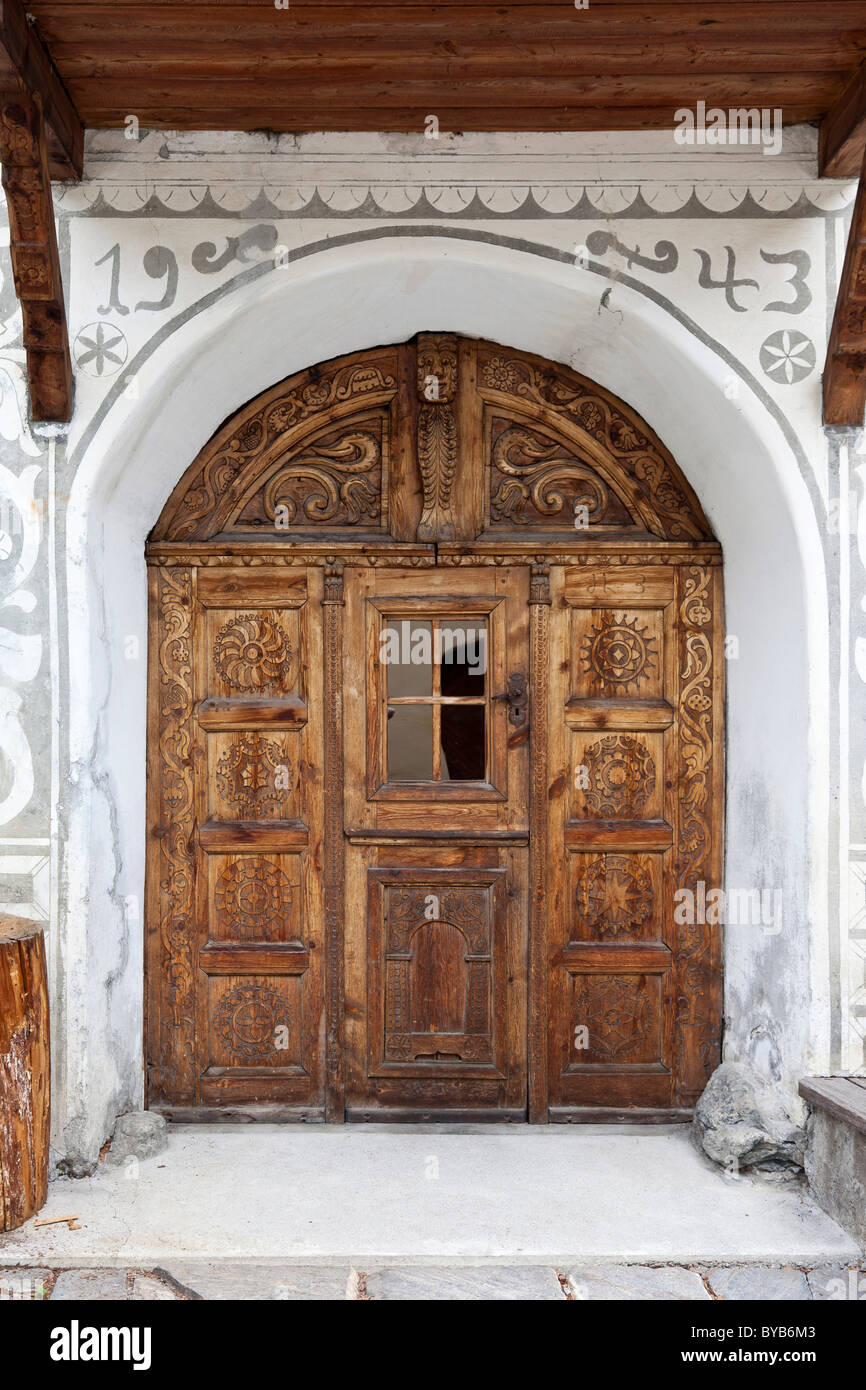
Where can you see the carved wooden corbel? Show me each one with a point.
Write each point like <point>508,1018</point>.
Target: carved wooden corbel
<point>35,257</point>
<point>437,433</point>
<point>845,368</point>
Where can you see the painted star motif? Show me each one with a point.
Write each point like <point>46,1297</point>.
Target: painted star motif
<point>101,348</point>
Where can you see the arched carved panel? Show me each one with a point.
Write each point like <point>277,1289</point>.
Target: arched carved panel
<point>266,440</point>
<point>439,440</point>
<point>605,434</point>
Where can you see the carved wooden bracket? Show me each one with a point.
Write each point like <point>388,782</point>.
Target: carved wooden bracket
<point>845,368</point>
<point>437,433</point>
<point>35,257</point>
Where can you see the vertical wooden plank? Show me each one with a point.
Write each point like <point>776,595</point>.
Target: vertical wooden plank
<point>405,480</point>
<point>470,479</point>
<point>335,867</point>
<point>539,628</point>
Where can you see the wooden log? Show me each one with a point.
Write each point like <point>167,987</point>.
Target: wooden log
<point>24,1071</point>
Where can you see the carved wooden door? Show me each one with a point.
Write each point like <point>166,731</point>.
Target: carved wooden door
<point>437,723</point>
<point>635,782</point>
<point>435,768</point>
<point>235,796</point>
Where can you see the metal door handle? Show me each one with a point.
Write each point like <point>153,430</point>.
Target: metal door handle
<point>517,696</point>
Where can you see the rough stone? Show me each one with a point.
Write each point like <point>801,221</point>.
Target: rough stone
<point>286,1283</point>
<point>529,1283</point>
<point>90,1284</point>
<point>607,1282</point>
<point>21,1282</point>
<point>146,1286</point>
<point>760,1282</point>
<point>741,1121</point>
<point>837,1283</point>
<point>139,1134</point>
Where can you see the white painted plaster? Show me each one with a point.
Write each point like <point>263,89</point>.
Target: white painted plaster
<point>384,290</point>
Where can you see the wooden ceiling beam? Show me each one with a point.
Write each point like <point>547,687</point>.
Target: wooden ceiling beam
<point>35,256</point>
<point>26,69</point>
<point>842,138</point>
<point>844,383</point>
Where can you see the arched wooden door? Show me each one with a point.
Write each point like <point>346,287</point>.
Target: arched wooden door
<point>435,753</point>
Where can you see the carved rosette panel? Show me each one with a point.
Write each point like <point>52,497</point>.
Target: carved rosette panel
<point>253,900</point>
<point>252,653</point>
<point>696,1040</point>
<point>617,1015</point>
<point>252,775</point>
<point>437,434</point>
<point>665,507</point>
<point>618,653</point>
<point>614,895</point>
<point>410,913</point>
<point>176,859</point>
<point>621,774</point>
<point>247,1019</point>
<point>298,407</point>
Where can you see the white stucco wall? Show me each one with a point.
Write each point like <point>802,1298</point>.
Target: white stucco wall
<point>383,239</point>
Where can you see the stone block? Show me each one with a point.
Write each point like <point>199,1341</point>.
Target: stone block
<point>608,1282</point>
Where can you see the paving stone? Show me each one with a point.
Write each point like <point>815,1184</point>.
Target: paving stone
<point>261,1281</point>
<point>18,1282</point>
<point>91,1284</point>
<point>837,1283</point>
<point>760,1281</point>
<point>606,1282</point>
<point>530,1283</point>
<point>145,1286</point>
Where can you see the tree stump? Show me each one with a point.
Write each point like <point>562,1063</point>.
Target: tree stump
<point>24,1071</point>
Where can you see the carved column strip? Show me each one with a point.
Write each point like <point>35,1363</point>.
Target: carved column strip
<point>35,258</point>
<point>698,1009</point>
<point>171,880</point>
<point>437,434</point>
<point>335,863</point>
<point>539,625</point>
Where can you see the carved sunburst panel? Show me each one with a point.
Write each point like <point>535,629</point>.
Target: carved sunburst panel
<point>615,897</point>
<point>618,776</point>
<point>253,652</point>
<point>254,897</point>
<point>622,1017</point>
<point>255,1021</point>
<point>253,776</point>
<point>617,653</point>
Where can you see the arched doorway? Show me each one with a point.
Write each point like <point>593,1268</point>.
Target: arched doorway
<point>435,758</point>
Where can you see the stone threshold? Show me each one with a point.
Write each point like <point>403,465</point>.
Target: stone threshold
<point>843,1097</point>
